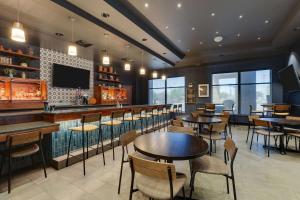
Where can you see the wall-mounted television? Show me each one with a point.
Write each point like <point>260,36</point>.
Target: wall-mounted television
<point>70,77</point>
<point>289,78</point>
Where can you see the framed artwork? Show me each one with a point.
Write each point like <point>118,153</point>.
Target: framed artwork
<point>203,90</point>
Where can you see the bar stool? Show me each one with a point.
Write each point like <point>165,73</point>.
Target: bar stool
<point>135,115</point>
<point>21,145</point>
<point>85,129</point>
<point>174,110</point>
<point>146,116</point>
<point>116,119</point>
<point>166,115</point>
<point>156,116</point>
<point>180,111</point>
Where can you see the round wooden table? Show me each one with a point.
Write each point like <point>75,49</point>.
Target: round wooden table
<point>201,121</point>
<point>171,146</point>
<point>211,114</point>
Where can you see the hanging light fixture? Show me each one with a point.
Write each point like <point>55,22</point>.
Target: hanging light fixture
<point>163,77</point>
<point>17,30</point>
<point>127,66</point>
<point>72,49</point>
<point>105,58</point>
<point>154,74</point>
<point>142,69</point>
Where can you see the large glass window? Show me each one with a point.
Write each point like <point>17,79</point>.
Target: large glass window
<point>170,91</point>
<point>242,89</point>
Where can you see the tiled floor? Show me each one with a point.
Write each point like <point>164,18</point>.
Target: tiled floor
<point>257,178</point>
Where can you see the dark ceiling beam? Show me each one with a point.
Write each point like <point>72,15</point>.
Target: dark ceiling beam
<point>82,13</point>
<point>129,11</point>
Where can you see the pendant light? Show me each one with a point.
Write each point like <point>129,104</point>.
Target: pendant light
<point>17,30</point>
<point>154,74</point>
<point>72,49</point>
<point>105,58</point>
<point>142,69</point>
<point>163,77</point>
<point>127,66</point>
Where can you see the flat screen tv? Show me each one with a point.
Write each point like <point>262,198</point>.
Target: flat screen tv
<point>289,78</point>
<point>70,77</point>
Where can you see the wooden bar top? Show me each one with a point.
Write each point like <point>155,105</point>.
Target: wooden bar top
<point>43,126</point>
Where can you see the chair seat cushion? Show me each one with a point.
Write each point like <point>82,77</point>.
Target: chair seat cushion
<point>86,127</point>
<point>214,135</point>
<point>112,123</point>
<point>24,151</point>
<point>266,132</point>
<point>159,188</point>
<point>131,119</point>
<point>209,165</point>
<point>281,113</point>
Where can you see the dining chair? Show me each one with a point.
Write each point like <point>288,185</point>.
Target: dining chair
<point>292,132</point>
<point>255,112</point>
<point>20,145</point>
<point>210,107</point>
<point>86,128</point>
<point>264,128</point>
<point>281,110</point>
<point>154,179</point>
<point>213,134</point>
<point>216,166</point>
<point>177,122</point>
<point>179,129</point>
<point>226,119</point>
<point>125,140</point>
<point>228,106</point>
<point>250,124</point>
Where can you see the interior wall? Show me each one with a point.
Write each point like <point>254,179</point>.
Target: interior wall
<point>63,95</point>
<point>202,74</point>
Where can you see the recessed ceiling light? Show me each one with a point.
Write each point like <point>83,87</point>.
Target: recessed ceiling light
<point>193,28</point>
<point>179,5</point>
<point>144,39</point>
<point>241,17</point>
<point>166,27</point>
<point>201,43</point>
<point>297,28</point>
<point>267,21</point>
<point>218,38</point>
<point>212,14</point>
<point>164,53</point>
<point>217,32</point>
<point>146,5</point>
<point>238,35</point>
<point>258,38</point>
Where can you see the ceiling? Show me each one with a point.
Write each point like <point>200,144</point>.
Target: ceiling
<point>45,17</point>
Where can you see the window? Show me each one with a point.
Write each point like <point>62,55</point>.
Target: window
<point>255,89</point>
<point>157,91</point>
<point>170,91</point>
<point>225,89</point>
<point>242,89</point>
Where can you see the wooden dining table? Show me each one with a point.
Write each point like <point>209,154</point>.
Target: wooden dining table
<point>171,146</point>
<point>200,121</point>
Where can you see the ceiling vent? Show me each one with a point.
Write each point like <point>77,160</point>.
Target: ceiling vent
<point>83,43</point>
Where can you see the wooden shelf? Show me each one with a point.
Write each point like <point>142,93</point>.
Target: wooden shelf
<point>108,73</point>
<point>20,54</point>
<point>19,67</point>
<point>108,80</point>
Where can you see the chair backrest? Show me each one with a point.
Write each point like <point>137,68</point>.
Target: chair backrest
<point>231,148</point>
<point>293,118</point>
<point>261,123</point>
<point>24,138</point>
<point>251,117</point>
<point>87,118</point>
<point>117,114</point>
<point>281,108</point>
<point>210,106</point>
<point>127,138</point>
<point>152,169</point>
<point>177,122</point>
<point>178,129</point>
<point>217,127</point>
<point>175,108</point>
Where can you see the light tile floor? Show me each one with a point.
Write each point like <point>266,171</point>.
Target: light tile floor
<point>257,178</point>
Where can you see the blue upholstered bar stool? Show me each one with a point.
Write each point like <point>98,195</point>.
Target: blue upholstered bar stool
<point>156,118</point>
<point>135,116</point>
<point>146,116</point>
<point>116,120</point>
<point>86,129</point>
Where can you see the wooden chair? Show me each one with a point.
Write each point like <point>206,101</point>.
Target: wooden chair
<point>179,129</point>
<point>216,166</point>
<point>116,120</point>
<point>85,129</point>
<point>226,119</point>
<point>125,140</point>
<point>177,122</point>
<point>255,112</point>
<point>228,106</point>
<point>213,134</point>
<point>250,124</point>
<point>264,128</point>
<point>281,110</point>
<point>292,132</point>
<point>135,116</point>
<point>21,145</point>
<point>210,107</point>
<point>155,180</point>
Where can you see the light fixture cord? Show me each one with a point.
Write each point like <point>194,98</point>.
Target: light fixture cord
<point>18,11</point>
<point>142,58</point>
<point>72,30</point>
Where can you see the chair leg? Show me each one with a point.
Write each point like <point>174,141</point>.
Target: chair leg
<point>287,141</point>
<point>248,133</point>
<point>87,145</point>
<point>83,154</point>
<point>102,146</point>
<point>1,164</point>
<point>269,137</point>
<point>192,184</point>
<point>9,173</point>
<point>112,140</point>
<point>227,184</point>
<point>121,171</point>
<point>233,186</point>
<point>69,146</point>
<point>251,140</point>
<point>43,158</point>
<point>210,147</point>
<point>296,143</point>
<point>183,192</point>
